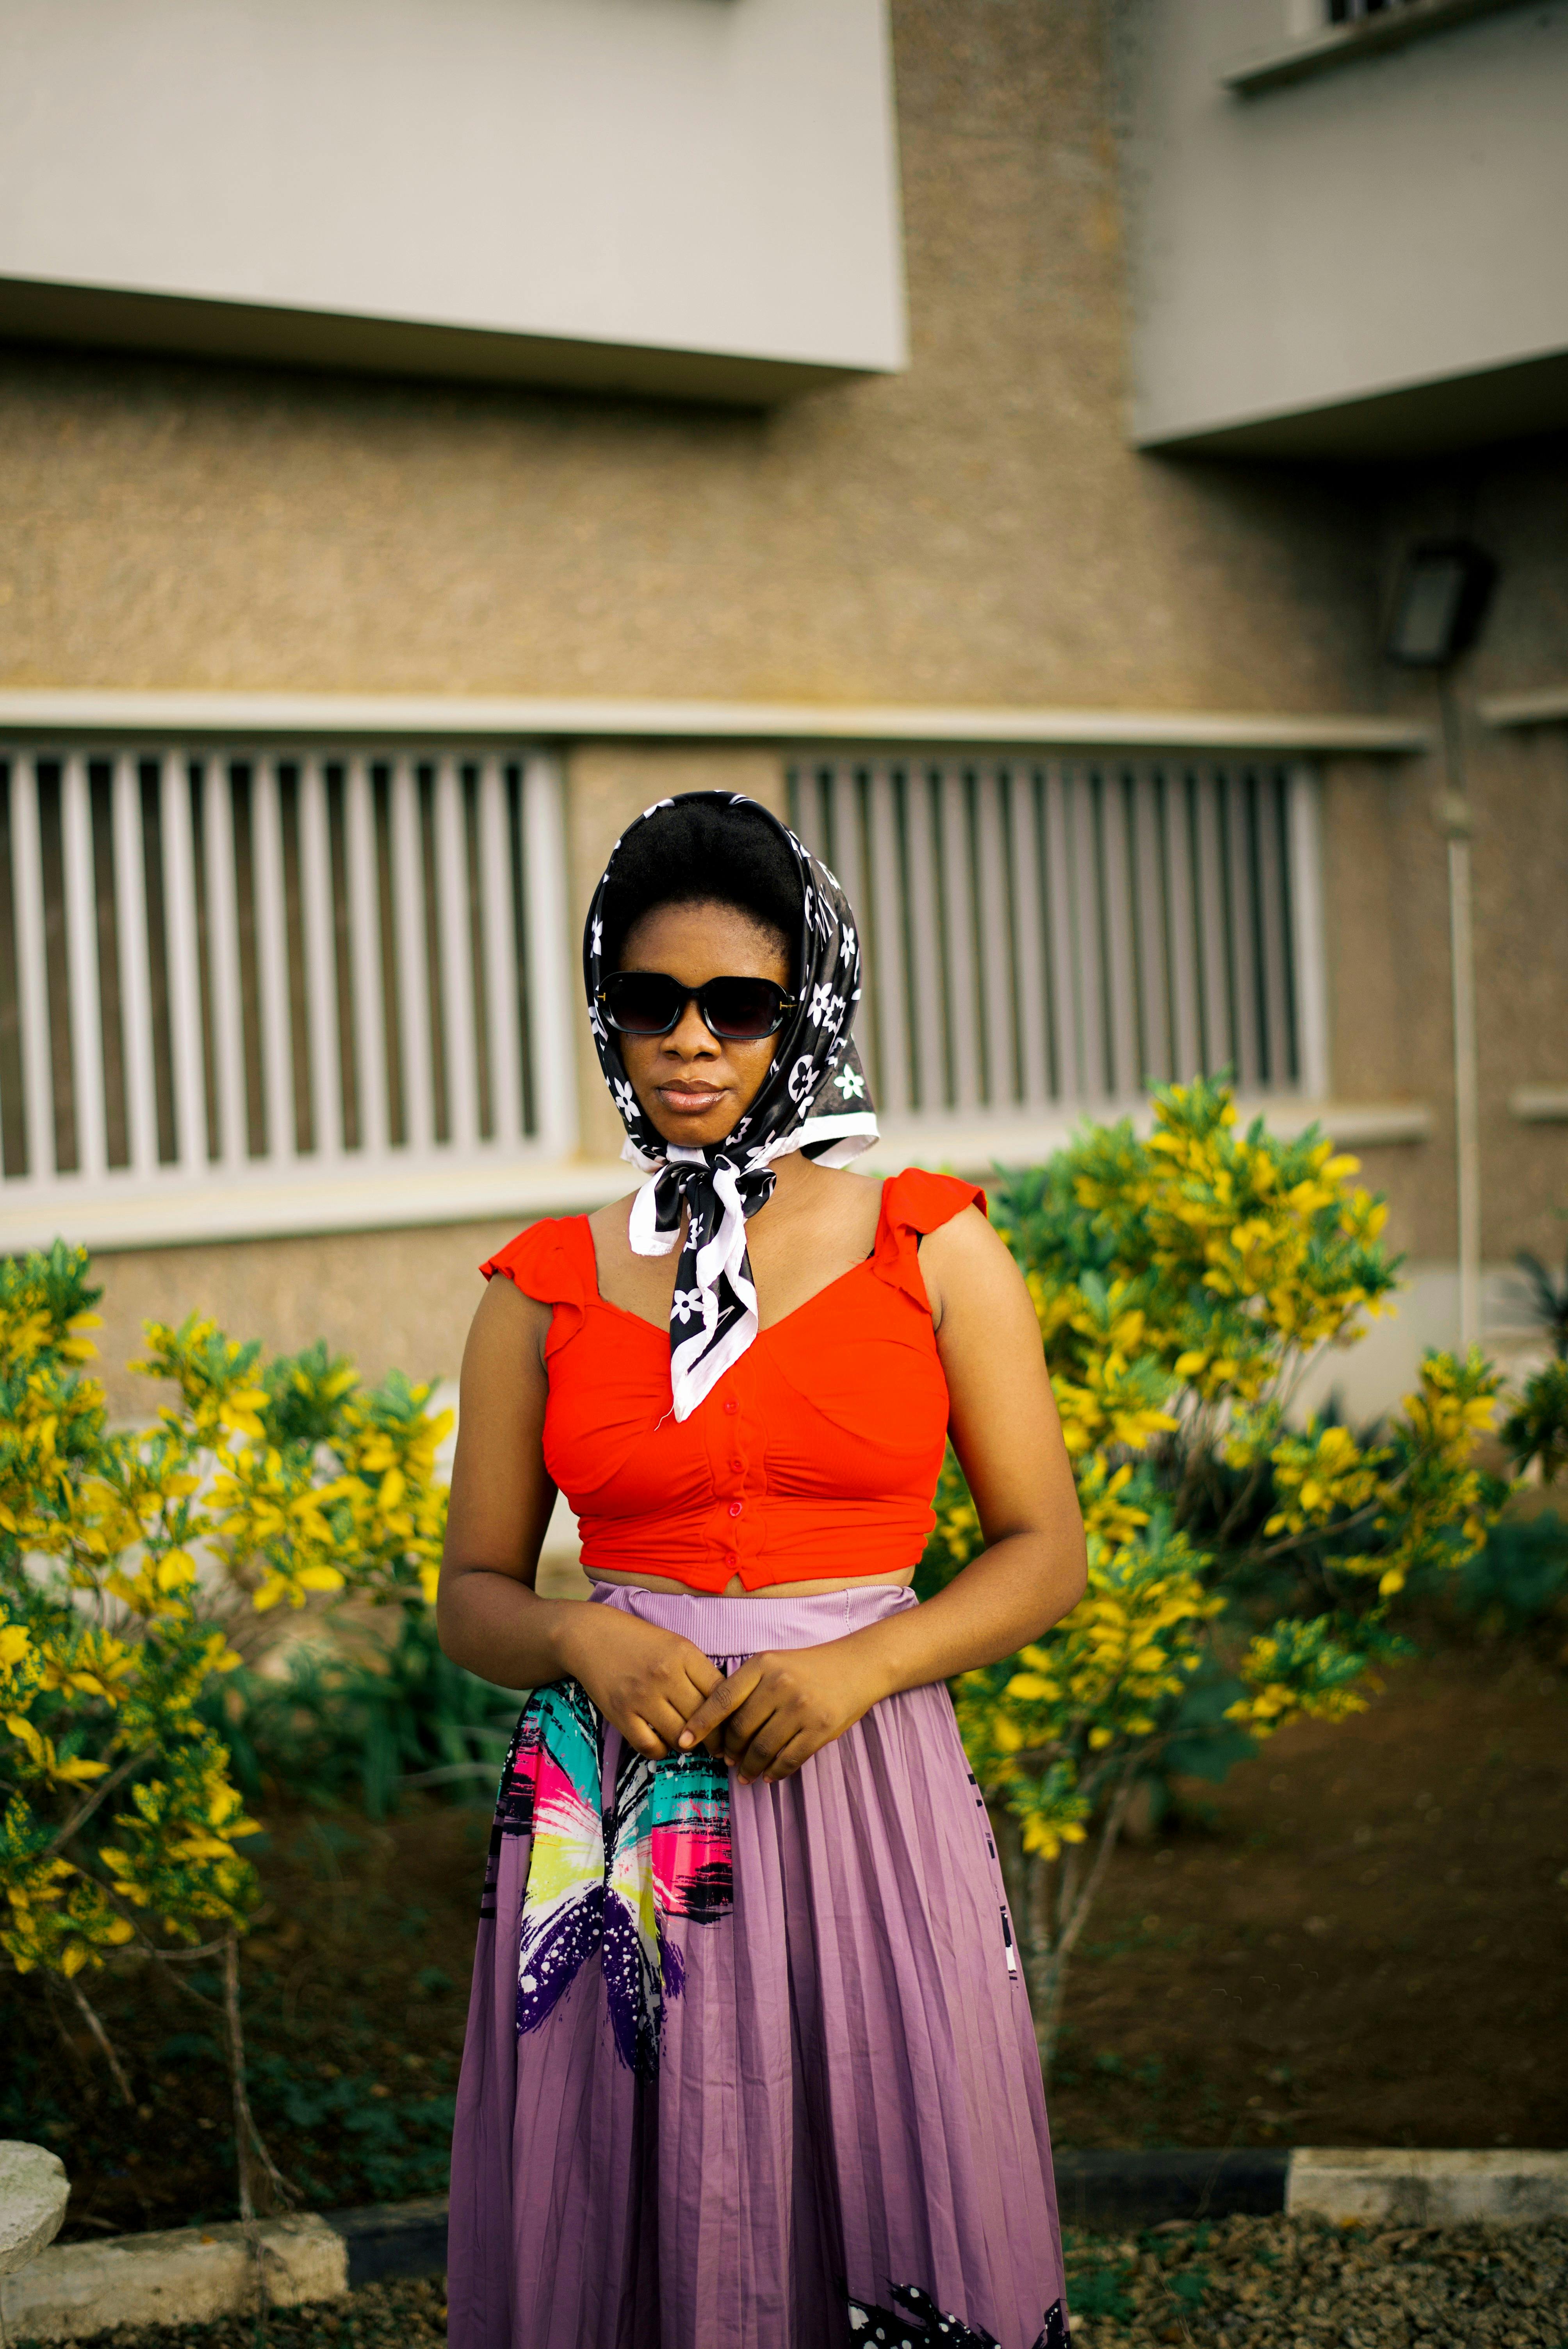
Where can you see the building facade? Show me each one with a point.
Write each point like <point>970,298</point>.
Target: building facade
<point>987,432</point>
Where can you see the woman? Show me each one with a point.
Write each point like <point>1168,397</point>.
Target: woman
<point>749,2063</point>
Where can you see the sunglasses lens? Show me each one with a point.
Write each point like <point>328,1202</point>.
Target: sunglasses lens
<point>743,1010</point>
<point>642,1003</point>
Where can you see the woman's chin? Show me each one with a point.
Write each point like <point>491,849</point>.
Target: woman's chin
<point>694,1129</point>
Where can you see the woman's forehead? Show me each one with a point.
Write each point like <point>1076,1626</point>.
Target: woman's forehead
<point>728,938</point>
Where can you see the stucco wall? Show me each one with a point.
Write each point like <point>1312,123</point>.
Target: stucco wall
<point>390,1301</point>
<point>973,531</point>
<point>1387,875</point>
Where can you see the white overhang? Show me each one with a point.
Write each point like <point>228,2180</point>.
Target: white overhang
<point>696,199</point>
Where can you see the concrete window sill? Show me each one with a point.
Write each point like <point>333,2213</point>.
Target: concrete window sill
<point>519,1190</point>
<point>1540,1105</point>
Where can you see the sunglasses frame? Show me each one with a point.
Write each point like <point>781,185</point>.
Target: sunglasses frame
<point>786,1004</point>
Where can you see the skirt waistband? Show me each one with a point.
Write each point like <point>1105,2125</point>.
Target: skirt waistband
<point>744,1627</point>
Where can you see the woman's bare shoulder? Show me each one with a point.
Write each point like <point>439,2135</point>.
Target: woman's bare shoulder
<point>966,1262</point>
<point>508,1325</point>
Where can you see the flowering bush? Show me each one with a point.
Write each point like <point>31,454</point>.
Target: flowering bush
<point>131,1564</point>
<point>1240,1570</point>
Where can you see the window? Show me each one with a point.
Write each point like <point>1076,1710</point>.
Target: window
<point>231,964</point>
<point>1041,933</point>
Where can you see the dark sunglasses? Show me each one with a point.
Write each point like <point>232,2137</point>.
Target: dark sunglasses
<point>739,1010</point>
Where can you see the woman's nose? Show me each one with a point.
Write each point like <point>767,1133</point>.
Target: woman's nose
<point>691,1032</point>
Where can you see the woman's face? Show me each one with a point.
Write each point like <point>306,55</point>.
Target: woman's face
<point>695,1086</point>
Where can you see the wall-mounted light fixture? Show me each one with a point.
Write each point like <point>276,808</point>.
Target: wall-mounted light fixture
<point>1441,599</point>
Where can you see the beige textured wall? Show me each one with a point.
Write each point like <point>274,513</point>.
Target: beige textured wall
<point>1392,1033</point>
<point>1387,869</point>
<point>390,1301</point>
<point>975,530</point>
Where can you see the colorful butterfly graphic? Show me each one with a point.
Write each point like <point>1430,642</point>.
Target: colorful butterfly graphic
<point>604,1877</point>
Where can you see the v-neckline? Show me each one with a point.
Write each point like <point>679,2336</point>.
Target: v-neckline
<point>766,1328</point>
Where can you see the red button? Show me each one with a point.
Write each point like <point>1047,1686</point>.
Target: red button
<point>730,1559</point>
<point>732,1405</point>
<point>737,1466</point>
<point>735,1508</point>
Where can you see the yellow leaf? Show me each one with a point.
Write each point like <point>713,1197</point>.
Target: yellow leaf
<point>319,1578</point>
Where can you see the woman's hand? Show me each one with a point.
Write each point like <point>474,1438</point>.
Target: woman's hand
<point>648,1682</point>
<point>777,1709</point>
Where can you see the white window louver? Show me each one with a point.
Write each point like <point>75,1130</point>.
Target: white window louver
<point>226,965</point>
<point>1046,933</point>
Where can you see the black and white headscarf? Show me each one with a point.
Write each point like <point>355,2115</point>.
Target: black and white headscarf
<point>813,1099</point>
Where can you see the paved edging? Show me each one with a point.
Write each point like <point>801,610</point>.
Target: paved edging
<point>186,2276</point>
<point>191,2275</point>
<point>1384,2187</point>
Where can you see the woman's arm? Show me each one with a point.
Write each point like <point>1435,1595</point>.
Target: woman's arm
<point>488,1614</point>
<point>781,1707</point>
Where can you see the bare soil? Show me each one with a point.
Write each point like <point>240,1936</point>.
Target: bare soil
<point>1359,1940</point>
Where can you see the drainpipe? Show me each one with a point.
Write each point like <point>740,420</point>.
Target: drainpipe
<point>1456,819</point>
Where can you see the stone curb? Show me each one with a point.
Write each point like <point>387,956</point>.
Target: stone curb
<point>187,2276</point>
<point>191,2276</point>
<point>1384,2188</point>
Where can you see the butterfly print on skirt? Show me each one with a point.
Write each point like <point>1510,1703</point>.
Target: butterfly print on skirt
<point>604,1875</point>
<point>930,2326</point>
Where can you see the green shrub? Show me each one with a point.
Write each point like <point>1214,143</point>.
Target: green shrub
<point>336,1729</point>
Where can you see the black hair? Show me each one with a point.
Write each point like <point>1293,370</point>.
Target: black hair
<point>702,851</point>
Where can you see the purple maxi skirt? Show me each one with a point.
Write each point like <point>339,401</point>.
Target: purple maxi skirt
<point>748,2068</point>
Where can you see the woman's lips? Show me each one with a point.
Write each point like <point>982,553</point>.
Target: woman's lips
<point>690,1099</point>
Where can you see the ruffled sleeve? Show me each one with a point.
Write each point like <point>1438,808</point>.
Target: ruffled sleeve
<point>553,1263</point>
<point>913,1203</point>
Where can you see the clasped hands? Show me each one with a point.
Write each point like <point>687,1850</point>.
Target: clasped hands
<point>769,1716</point>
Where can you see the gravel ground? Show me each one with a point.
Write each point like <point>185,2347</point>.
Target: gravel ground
<point>1241,2283</point>
<point>1297,2284</point>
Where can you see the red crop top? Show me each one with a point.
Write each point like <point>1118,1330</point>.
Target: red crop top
<point>816,1454</point>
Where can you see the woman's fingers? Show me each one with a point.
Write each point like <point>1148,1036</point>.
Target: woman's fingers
<point>721,1702</point>
<point>663,1722</point>
<point>701,1672</point>
<point>777,1737</point>
<point>789,1757</point>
